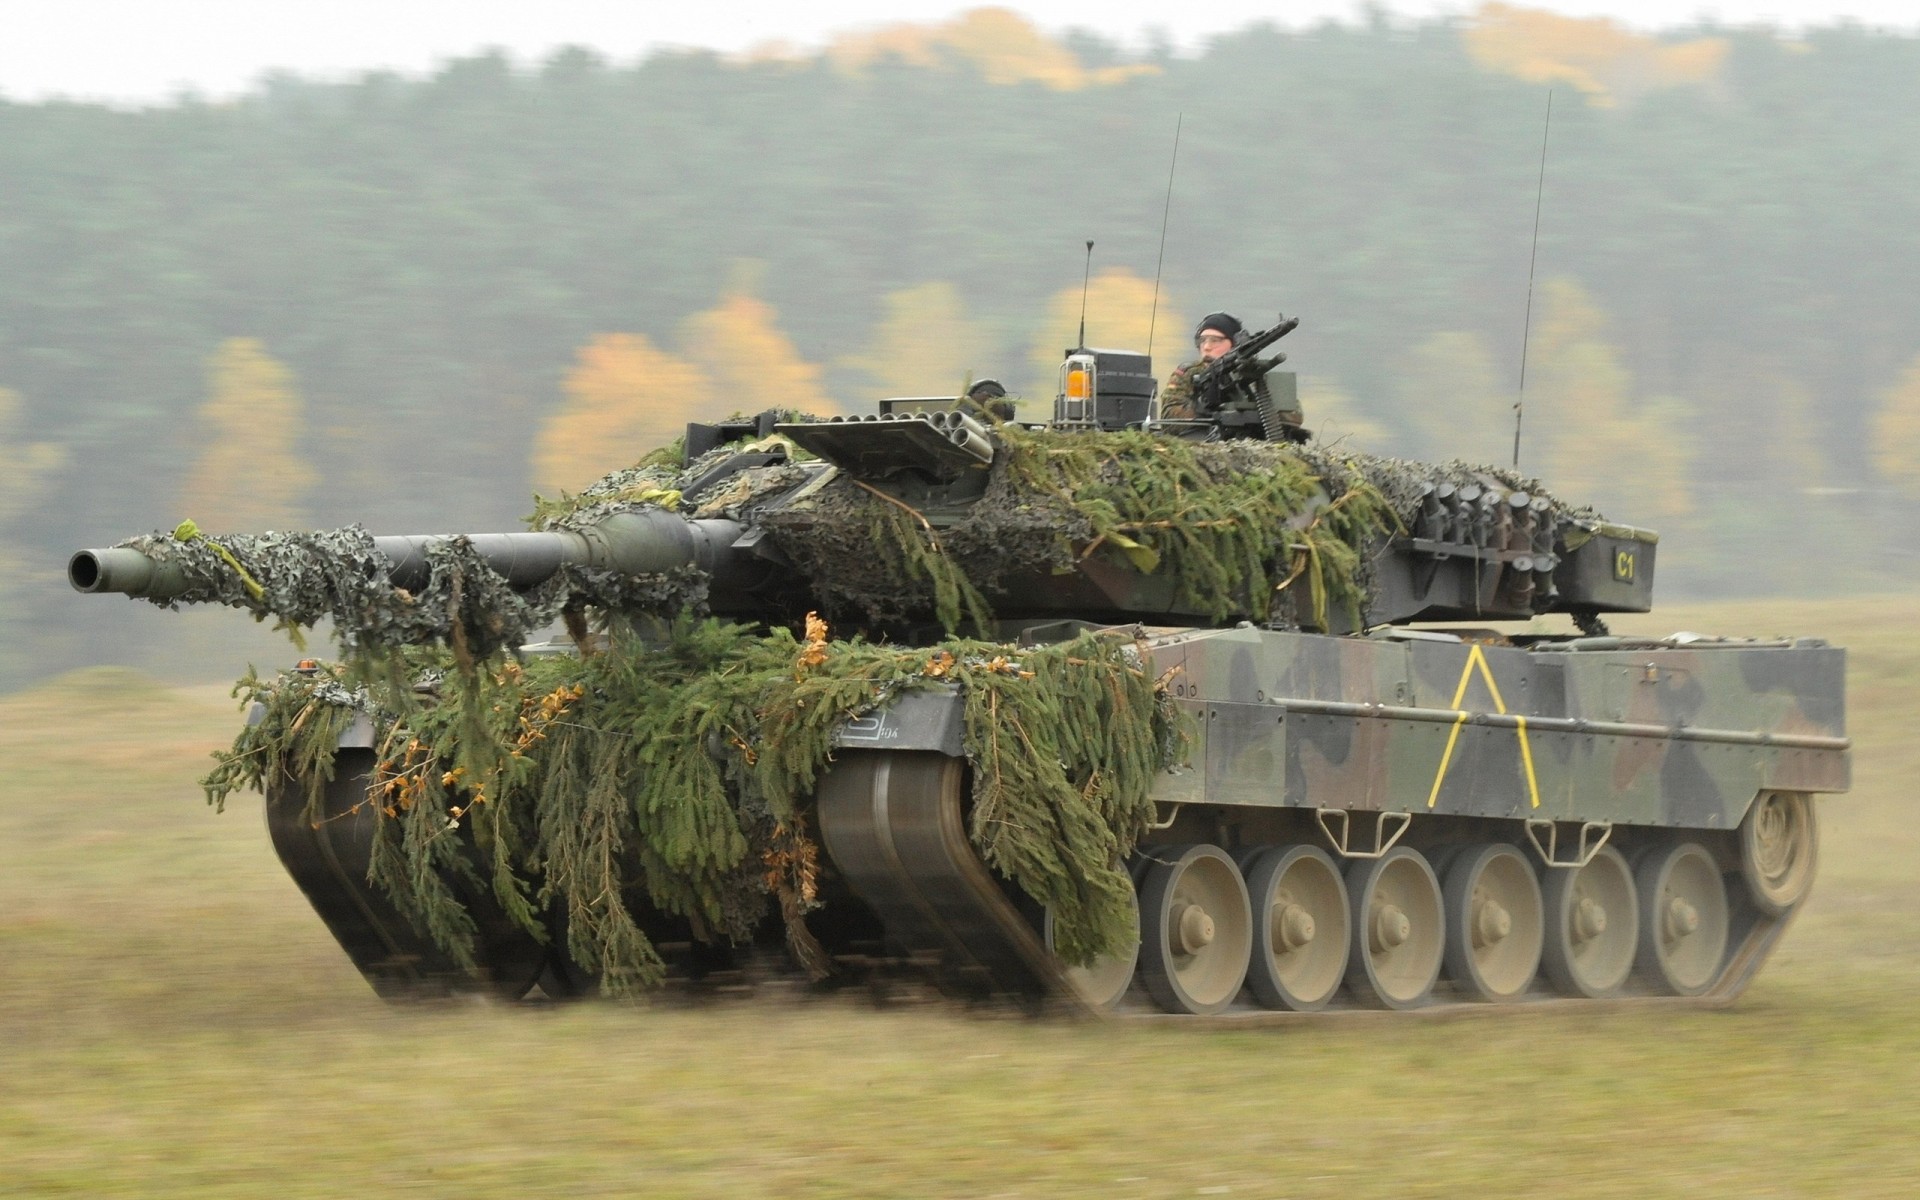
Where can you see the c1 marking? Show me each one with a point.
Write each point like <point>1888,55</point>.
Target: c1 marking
<point>1623,564</point>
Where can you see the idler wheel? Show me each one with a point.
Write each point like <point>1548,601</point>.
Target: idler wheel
<point>1779,844</point>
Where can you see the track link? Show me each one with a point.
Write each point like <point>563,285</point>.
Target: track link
<point>892,824</point>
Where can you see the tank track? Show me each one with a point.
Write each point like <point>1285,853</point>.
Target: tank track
<point>893,824</point>
<point>327,853</point>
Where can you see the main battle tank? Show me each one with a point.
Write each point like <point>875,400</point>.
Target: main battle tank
<point>1107,713</point>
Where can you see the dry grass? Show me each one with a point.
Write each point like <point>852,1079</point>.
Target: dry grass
<point>173,1021</point>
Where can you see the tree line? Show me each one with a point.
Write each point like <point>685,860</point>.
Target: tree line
<point>412,302</point>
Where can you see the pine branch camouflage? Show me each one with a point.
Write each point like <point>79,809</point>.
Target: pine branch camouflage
<point>676,777</point>
<point>670,767</point>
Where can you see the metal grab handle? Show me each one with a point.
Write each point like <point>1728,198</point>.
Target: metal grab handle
<point>1550,853</point>
<point>1382,841</point>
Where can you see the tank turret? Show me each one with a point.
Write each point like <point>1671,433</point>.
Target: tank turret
<point>772,527</point>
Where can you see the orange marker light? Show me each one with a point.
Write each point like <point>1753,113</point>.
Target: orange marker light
<point>1079,384</point>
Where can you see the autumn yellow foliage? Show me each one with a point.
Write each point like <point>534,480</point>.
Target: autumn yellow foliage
<point>249,471</point>
<point>754,366</point>
<point>1587,434</point>
<point>925,345</point>
<point>1601,60</point>
<point>625,396</point>
<point>1896,432</point>
<point>1337,419</point>
<point>1003,46</point>
<point>1120,308</point>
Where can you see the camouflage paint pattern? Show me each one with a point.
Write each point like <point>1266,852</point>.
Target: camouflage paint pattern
<point>1678,732</point>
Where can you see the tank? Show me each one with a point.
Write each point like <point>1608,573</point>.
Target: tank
<point>1106,714</point>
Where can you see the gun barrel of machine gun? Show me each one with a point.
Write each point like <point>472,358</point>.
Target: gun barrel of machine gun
<point>1262,366</point>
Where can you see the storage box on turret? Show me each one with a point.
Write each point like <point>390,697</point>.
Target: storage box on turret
<point>1607,568</point>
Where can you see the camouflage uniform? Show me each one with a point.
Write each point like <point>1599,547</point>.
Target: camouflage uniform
<point>1177,399</point>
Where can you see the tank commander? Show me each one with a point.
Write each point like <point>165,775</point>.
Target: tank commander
<point>1234,394</point>
<point>1216,334</point>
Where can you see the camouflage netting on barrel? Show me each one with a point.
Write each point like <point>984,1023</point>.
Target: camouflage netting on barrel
<point>676,777</point>
<point>339,575</point>
<point>304,578</point>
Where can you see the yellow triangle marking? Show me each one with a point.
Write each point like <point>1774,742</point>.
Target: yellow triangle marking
<point>1475,658</point>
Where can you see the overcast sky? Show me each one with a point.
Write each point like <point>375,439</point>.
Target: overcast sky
<point>144,51</point>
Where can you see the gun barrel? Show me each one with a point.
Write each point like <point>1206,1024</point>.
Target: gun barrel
<point>124,570</point>
<point>1247,353</point>
<point>647,541</point>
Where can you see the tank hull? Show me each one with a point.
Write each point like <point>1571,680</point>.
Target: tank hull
<point>1565,757</point>
<point>1407,774</point>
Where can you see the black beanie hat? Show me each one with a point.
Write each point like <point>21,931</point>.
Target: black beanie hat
<point>1220,322</point>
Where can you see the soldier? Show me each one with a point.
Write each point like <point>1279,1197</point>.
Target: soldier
<point>1216,334</point>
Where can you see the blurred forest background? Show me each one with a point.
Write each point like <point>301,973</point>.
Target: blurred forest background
<point>413,302</point>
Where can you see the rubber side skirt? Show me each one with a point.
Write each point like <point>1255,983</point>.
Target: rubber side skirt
<point>893,825</point>
<point>328,851</point>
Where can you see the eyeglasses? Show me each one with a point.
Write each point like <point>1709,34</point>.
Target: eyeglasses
<point>1210,339</point>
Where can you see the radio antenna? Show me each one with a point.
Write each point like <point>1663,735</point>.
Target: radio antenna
<point>1165,212</point>
<point>1533,256</point>
<point>1084,277</point>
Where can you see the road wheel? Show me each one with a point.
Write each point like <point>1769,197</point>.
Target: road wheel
<point>1398,933</point>
<point>1683,919</point>
<point>1103,982</point>
<point>1302,928</point>
<point>1593,923</point>
<point>1196,929</point>
<point>1495,922</point>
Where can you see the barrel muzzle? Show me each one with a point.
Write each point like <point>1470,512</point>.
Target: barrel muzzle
<point>125,570</point>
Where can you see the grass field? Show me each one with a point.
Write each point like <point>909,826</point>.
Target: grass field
<point>175,1022</point>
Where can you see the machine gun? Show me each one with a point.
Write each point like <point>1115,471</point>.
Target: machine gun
<point>1236,382</point>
